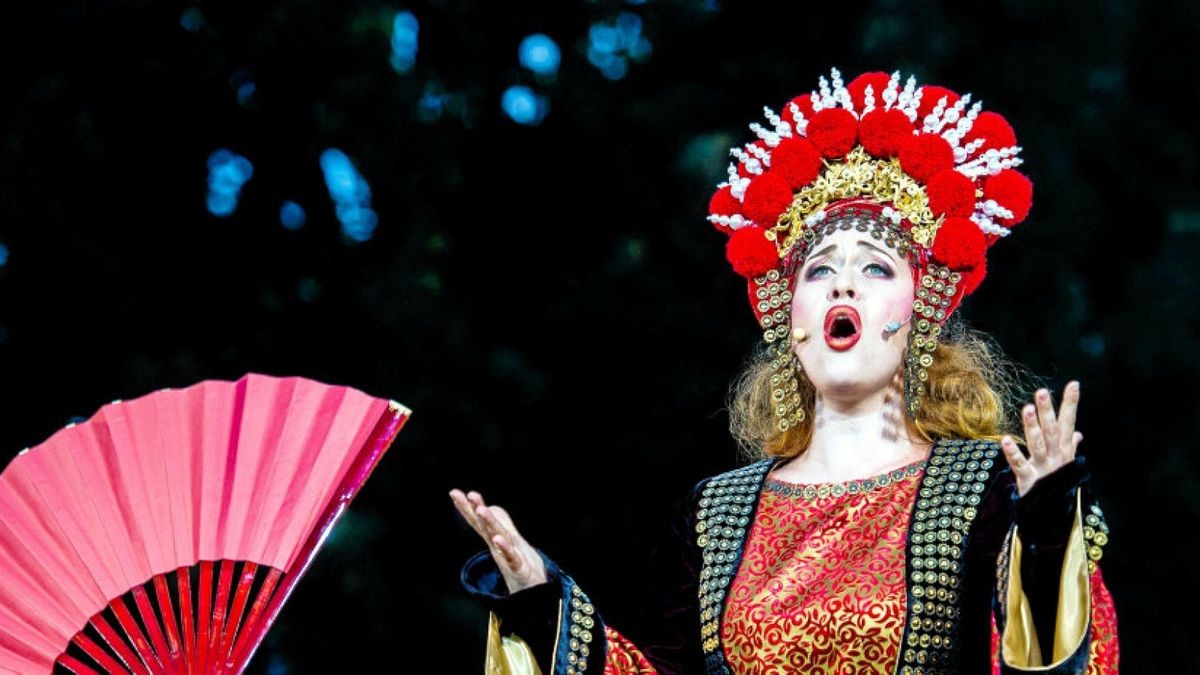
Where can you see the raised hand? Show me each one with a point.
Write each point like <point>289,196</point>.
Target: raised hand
<point>519,563</point>
<point>1051,440</point>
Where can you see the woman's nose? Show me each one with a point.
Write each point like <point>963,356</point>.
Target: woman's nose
<point>843,286</point>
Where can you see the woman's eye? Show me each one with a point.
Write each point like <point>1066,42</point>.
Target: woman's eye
<point>874,269</point>
<point>815,272</point>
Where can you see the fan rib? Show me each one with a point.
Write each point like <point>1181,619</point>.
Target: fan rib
<point>167,611</point>
<point>220,612</point>
<point>233,622</point>
<point>250,628</point>
<point>135,635</point>
<point>204,614</point>
<point>75,665</point>
<point>161,654</point>
<point>183,574</point>
<point>97,653</point>
<point>114,641</point>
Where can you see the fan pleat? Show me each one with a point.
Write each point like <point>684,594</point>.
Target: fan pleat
<point>217,408</point>
<point>266,448</point>
<point>36,562</point>
<point>62,488</point>
<point>102,488</point>
<point>44,531</point>
<point>23,649</point>
<point>307,443</point>
<point>179,480</point>
<point>133,426</point>
<point>349,429</point>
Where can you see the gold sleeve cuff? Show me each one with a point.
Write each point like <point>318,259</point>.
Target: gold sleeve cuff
<point>507,655</point>
<point>1019,644</point>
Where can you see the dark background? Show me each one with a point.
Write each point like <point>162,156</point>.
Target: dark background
<point>549,298</point>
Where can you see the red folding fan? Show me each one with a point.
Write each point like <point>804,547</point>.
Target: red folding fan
<point>164,534</point>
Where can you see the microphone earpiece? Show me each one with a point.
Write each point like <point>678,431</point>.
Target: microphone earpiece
<point>799,334</point>
<point>894,326</point>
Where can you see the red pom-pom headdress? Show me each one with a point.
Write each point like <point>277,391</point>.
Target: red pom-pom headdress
<point>932,172</point>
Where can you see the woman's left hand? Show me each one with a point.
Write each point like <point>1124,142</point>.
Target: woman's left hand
<point>1051,439</point>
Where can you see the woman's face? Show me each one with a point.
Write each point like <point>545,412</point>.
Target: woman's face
<point>846,292</point>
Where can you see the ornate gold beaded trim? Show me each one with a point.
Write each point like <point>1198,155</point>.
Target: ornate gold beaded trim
<point>722,519</point>
<point>955,479</point>
<point>852,487</point>
<point>934,293</point>
<point>1095,533</point>
<point>861,219</point>
<point>774,304</point>
<point>582,623</point>
<point>1004,561</point>
<point>859,175</point>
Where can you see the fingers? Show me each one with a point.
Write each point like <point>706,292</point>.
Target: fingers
<point>1012,452</point>
<point>1048,421</point>
<point>467,510</point>
<point>498,533</point>
<point>1034,441</point>
<point>483,518</point>
<point>1066,415</point>
<point>511,558</point>
<point>492,524</point>
<point>506,521</point>
<point>1021,466</point>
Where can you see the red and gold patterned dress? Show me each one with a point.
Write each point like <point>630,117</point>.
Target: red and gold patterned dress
<point>821,586</point>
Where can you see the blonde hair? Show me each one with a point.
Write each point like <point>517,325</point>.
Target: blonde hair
<point>973,391</point>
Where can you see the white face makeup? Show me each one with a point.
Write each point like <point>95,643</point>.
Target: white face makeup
<point>846,293</point>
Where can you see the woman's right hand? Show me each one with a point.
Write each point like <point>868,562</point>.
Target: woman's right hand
<point>520,563</point>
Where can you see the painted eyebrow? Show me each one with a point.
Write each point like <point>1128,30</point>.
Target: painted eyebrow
<point>861,243</point>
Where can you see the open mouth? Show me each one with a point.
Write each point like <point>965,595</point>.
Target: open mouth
<point>843,327</point>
